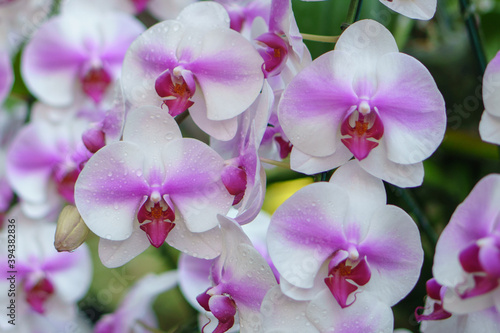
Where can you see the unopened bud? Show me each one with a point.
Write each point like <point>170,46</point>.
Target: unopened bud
<point>71,231</point>
<point>94,139</point>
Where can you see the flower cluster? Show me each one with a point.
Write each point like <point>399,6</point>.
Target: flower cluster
<point>107,135</point>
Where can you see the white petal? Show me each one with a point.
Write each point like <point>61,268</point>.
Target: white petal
<point>489,128</point>
<point>415,9</point>
<point>402,175</point>
<point>117,253</point>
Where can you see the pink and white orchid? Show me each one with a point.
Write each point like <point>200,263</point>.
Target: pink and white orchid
<point>365,99</point>
<point>339,246</point>
<point>240,280</point>
<point>243,175</point>
<point>44,160</point>
<point>48,283</point>
<point>195,274</point>
<point>195,61</point>
<point>282,40</point>
<point>150,188</point>
<point>243,13</point>
<point>467,265</point>
<point>78,54</point>
<point>489,127</point>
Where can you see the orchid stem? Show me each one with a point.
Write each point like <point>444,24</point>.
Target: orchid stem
<point>170,261</point>
<point>181,117</point>
<point>473,32</point>
<point>275,163</point>
<point>320,38</point>
<point>352,13</point>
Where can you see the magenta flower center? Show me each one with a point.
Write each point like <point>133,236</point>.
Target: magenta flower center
<point>481,260</point>
<point>37,294</point>
<point>234,178</point>
<point>274,51</point>
<point>175,91</point>
<point>95,82</point>
<point>361,130</point>
<point>140,5</point>
<point>156,219</point>
<point>344,279</point>
<point>222,307</point>
<point>434,291</point>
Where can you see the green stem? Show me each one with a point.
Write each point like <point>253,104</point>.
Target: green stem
<point>473,32</point>
<point>181,117</point>
<point>320,38</point>
<point>275,163</point>
<point>352,13</point>
<point>170,261</point>
<point>422,221</point>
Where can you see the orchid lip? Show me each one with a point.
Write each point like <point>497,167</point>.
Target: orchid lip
<point>95,82</point>
<point>176,89</point>
<point>156,219</point>
<point>361,130</point>
<point>345,277</point>
<point>234,178</point>
<point>38,294</point>
<point>476,260</point>
<point>222,307</point>
<point>274,50</point>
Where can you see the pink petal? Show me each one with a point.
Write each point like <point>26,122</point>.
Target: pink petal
<point>411,108</point>
<point>198,194</point>
<point>394,253</point>
<point>305,230</point>
<point>474,219</point>
<point>110,190</point>
<point>309,113</point>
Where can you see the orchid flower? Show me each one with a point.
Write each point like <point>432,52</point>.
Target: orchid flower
<point>240,280</point>
<point>365,99</point>
<point>78,53</point>
<point>436,319</point>
<point>195,61</point>
<point>243,13</point>
<point>149,188</point>
<point>282,40</point>
<point>195,273</point>
<point>466,260</point>
<point>339,246</point>
<point>44,160</point>
<point>137,305</point>
<point>489,127</point>
<point>243,176</point>
<point>48,283</point>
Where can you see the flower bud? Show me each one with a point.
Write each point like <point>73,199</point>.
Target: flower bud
<point>71,231</point>
<point>94,139</point>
